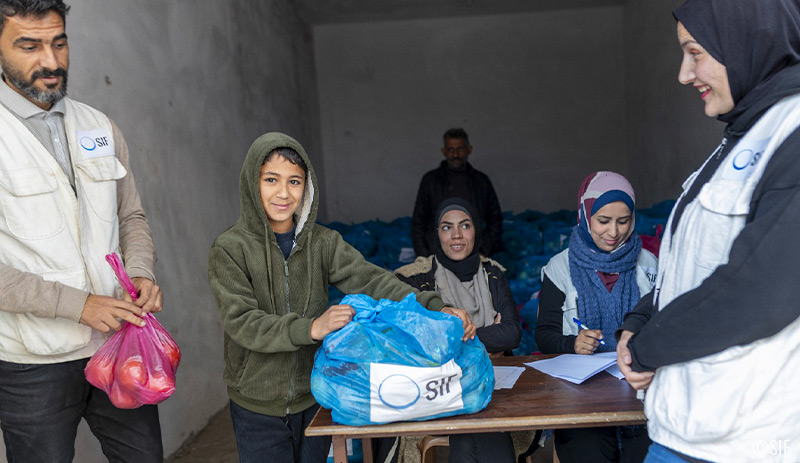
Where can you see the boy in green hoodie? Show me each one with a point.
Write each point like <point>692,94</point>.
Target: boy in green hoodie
<point>269,274</point>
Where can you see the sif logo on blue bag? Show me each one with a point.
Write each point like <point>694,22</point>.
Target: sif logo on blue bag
<point>400,392</point>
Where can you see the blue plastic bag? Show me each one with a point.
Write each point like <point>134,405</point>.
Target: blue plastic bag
<point>397,361</point>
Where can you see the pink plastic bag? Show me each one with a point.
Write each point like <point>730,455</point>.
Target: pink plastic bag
<point>137,365</point>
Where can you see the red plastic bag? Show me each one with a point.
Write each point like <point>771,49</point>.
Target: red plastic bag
<point>137,365</point>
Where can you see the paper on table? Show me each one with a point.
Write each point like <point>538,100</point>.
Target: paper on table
<point>614,370</point>
<point>575,368</point>
<point>506,377</point>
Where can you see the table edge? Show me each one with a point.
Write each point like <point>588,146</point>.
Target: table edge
<point>469,425</point>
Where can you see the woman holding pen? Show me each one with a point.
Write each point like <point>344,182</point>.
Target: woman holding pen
<point>586,291</point>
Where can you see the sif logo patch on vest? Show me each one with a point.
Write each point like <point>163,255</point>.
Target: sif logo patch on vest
<point>650,273</point>
<point>95,143</point>
<point>742,161</point>
<point>400,392</point>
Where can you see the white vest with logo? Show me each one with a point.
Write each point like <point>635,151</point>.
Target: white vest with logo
<point>738,405</point>
<point>48,230</point>
<point>557,270</point>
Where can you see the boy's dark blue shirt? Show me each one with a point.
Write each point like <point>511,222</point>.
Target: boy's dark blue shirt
<point>285,241</point>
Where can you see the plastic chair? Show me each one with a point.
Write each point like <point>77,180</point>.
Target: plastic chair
<point>427,444</point>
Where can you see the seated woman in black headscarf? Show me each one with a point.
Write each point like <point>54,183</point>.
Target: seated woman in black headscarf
<point>465,279</point>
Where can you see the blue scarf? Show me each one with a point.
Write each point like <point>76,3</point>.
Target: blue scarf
<point>599,308</point>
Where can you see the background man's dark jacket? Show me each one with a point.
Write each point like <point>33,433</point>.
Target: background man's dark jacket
<point>434,188</point>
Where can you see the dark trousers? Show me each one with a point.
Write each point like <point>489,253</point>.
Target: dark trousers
<point>602,445</point>
<point>277,439</point>
<point>42,405</point>
<point>490,447</point>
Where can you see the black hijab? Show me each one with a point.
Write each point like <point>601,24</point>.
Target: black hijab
<point>758,42</point>
<point>467,268</point>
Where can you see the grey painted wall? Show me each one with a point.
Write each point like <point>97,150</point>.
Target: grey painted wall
<point>669,135</point>
<point>191,83</point>
<point>541,95</point>
<point>547,97</point>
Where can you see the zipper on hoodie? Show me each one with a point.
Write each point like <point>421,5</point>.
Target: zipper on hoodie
<point>293,370</point>
<point>286,284</point>
<point>288,309</point>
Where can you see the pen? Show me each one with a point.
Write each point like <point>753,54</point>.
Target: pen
<point>581,326</point>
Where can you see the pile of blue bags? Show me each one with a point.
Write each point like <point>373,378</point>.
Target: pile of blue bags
<point>530,239</point>
<point>431,373</point>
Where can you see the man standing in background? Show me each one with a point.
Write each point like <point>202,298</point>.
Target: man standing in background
<point>456,178</point>
<point>67,198</point>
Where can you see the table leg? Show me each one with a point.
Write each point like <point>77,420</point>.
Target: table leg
<point>366,449</point>
<point>339,449</point>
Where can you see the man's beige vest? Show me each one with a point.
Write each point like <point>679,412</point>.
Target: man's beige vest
<point>49,230</point>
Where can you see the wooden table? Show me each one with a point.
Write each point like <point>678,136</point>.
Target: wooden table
<point>537,401</point>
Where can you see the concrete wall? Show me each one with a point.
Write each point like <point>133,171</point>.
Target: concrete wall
<point>546,97</point>
<point>541,95</point>
<point>191,83</point>
<point>669,135</point>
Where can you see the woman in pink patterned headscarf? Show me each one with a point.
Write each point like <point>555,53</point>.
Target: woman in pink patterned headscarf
<point>596,281</point>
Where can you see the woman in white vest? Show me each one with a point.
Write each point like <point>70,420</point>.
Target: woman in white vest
<point>586,291</point>
<point>721,330</point>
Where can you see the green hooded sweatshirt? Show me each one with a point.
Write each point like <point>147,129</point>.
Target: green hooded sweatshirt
<point>267,303</point>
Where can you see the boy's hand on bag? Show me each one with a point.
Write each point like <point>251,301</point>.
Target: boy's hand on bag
<point>104,313</point>
<point>333,319</point>
<point>469,327</point>
<point>150,296</point>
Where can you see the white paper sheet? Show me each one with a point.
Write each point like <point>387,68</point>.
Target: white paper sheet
<point>575,368</point>
<point>506,377</point>
<point>614,370</point>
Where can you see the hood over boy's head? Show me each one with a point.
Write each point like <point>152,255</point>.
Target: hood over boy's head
<point>271,146</point>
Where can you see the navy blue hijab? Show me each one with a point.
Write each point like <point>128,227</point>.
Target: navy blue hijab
<point>758,42</point>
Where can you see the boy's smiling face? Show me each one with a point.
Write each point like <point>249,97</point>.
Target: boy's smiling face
<point>282,185</point>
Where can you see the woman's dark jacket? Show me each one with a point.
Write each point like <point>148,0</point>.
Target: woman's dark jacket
<point>500,337</point>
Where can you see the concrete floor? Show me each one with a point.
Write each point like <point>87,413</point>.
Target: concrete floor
<point>216,444</point>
